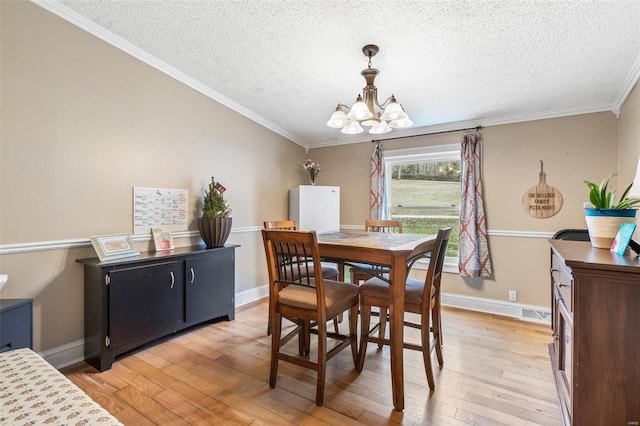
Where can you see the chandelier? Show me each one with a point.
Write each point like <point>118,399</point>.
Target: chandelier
<point>363,113</point>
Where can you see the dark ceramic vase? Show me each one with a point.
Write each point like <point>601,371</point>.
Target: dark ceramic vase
<point>214,232</point>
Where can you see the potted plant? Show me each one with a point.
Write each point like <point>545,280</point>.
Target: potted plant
<point>604,216</point>
<point>215,223</point>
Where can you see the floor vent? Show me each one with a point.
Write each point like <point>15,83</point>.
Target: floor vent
<point>537,316</point>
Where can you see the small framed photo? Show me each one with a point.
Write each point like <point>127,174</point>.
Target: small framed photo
<point>623,238</point>
<point>114,246</point>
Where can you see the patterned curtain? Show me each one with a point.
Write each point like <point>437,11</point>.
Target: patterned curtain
<point>473,251</point>
<point>377,210</point>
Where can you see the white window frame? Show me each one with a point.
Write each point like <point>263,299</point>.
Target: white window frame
<point>447,152</point>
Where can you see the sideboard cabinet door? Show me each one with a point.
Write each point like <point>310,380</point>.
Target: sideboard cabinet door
<point>143,303</point>
<point>210,287</point>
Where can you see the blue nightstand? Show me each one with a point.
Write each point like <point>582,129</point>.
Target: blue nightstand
<point>16,324</point>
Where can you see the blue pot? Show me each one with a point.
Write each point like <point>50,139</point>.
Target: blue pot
<point>611,212</point>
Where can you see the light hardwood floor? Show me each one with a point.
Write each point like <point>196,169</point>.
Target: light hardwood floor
<point>496,371</point>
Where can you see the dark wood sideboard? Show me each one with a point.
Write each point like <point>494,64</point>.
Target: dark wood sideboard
<point>595,353</point>
<point>132,301</point>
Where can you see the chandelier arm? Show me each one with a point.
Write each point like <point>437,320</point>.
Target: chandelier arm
<point>385,103</point>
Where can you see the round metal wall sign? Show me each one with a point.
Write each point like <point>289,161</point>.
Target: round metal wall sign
<point>542,201</point>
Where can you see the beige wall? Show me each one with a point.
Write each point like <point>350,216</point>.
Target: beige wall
<point>82,124</point>
<point>572,149</point>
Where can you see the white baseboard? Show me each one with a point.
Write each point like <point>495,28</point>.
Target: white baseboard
<point>531,313</point>
<point>65,355</point>
<point>252,295</point>
<point>73,352</point>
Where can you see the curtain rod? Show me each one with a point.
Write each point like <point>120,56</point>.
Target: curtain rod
<point>427,134</point>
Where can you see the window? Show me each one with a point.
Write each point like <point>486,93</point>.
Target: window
<point>422,188</point>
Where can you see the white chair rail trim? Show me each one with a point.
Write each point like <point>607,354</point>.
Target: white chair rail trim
<point>86,242</point>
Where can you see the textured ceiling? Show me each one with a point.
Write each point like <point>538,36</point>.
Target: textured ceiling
<point>286,64</point>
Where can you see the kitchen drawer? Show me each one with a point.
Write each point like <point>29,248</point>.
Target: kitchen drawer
<point>562,281</point>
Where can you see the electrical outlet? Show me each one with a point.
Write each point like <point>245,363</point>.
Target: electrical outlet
<point>513,296</point>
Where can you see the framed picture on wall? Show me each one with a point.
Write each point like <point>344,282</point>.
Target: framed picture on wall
<point>109,247</point>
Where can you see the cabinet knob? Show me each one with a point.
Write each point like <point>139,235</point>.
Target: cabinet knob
<point>173,279</point>
<point>193,275</point>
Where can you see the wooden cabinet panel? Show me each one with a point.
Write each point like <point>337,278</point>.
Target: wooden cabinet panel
<point>562,280</point>
<point>596,330</point>
<point>143,303</point>
<point>207,296</point>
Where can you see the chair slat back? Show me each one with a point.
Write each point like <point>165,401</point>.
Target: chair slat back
<point>290,256</point>
<point>434,273</point>
<point>385,226</point>
<point>290,225</point>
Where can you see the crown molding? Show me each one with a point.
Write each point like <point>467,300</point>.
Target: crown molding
<point>627,86</point>
<point>107,36</point>
<point>485,122</point>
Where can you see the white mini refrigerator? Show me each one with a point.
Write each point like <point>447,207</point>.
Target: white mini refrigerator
<point>315,208</point>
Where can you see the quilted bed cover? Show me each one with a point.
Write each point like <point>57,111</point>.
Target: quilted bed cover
<point>33,392</point>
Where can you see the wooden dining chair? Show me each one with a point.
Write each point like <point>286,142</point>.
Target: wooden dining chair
<point>328,272</point>
<point>421,297</point>
<point>307,297</point>
<point>362,272</point>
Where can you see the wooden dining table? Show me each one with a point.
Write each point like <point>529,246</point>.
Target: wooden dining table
<point>392,251</point>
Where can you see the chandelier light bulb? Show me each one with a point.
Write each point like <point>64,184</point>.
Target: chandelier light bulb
<point>338,119</point>
<point>401,123</point>
<point>372,121</point>
<point>353,128</point>
<point>380,128</point>
<point>359,111</point>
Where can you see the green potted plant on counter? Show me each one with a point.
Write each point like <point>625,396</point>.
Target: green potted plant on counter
<point>215,223</point>
<point>604,216</point>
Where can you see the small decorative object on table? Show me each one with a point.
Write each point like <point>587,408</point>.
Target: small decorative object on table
<point>603,216</point>
<point>621,242</point>
<point>162,238</point>
<point>215,223</point>
<point>109,247</point>
<point>313,169</point>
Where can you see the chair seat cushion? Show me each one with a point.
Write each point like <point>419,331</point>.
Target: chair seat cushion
<point>338,296</point>
<point>329,272</point>
<point>412,293</point>
<point>367,268</point>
